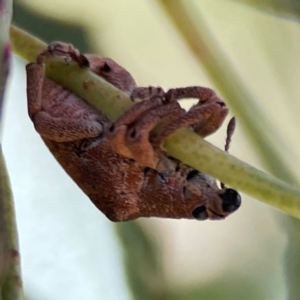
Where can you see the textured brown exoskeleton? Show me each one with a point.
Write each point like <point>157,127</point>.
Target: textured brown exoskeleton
<point>121,166</point>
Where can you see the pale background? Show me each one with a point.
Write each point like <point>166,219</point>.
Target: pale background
<point>69,249</point>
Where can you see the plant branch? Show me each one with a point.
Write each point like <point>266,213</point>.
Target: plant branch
<point>201,41</point>
<point>10,274</point>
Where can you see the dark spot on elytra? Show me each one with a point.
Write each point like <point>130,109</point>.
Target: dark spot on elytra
<point>106,68</point>
<point>221,103</point>
<point>192,174</point>
<point>79,152</point>
<point>82,146</point>
<point>162,176</point>
<point>133,133</point>
<point>83,61</point>
<point>100,136</point>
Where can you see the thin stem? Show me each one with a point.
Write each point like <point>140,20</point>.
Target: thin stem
<point>193,29</point>
<point>10,274</point>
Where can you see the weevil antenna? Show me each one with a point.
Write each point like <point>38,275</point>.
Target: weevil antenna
<point>229,134</point>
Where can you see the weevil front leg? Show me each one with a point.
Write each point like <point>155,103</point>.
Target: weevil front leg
<point>204,118</point>
<point>35,78</point>
<point>208,123</point>
<point>62,128</point>
<point>67,51</point>
<point>130,134</point>
<point>147,93</point>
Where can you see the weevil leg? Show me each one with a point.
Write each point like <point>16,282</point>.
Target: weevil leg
<point>66,130</point>
<point>57,129</point>
<point>147,93</point>
<point>116,133</point>
<point>204,94</point>
<point>197,115</point>
<point>67,51</point>
<point>205,127</point>
<point>35,79</point>
<point>152,98</point>
<point>129,135</point>
<point>229,133</point>
<point>204,118</point>
<point>138,134</point>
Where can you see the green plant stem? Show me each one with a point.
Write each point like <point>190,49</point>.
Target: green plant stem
<point>193,29</point>
<point>10,278</point>
<point>25,45</point>
<point>184,144</point>
<point>10,274</point>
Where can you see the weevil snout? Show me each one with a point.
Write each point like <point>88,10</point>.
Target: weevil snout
<point>230,202</point>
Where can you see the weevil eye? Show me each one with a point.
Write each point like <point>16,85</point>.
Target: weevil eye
<point>231,200</point>
<point>200,213</point>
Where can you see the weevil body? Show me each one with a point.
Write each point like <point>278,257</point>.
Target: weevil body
<point>121,166</point>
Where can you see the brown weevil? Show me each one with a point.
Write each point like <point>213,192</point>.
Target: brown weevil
<point>121,165</point>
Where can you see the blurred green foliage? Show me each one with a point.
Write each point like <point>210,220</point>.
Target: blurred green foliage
<point>141,253</point>
<point>49,29</point>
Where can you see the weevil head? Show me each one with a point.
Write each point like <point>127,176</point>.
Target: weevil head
<point>215,203</point>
